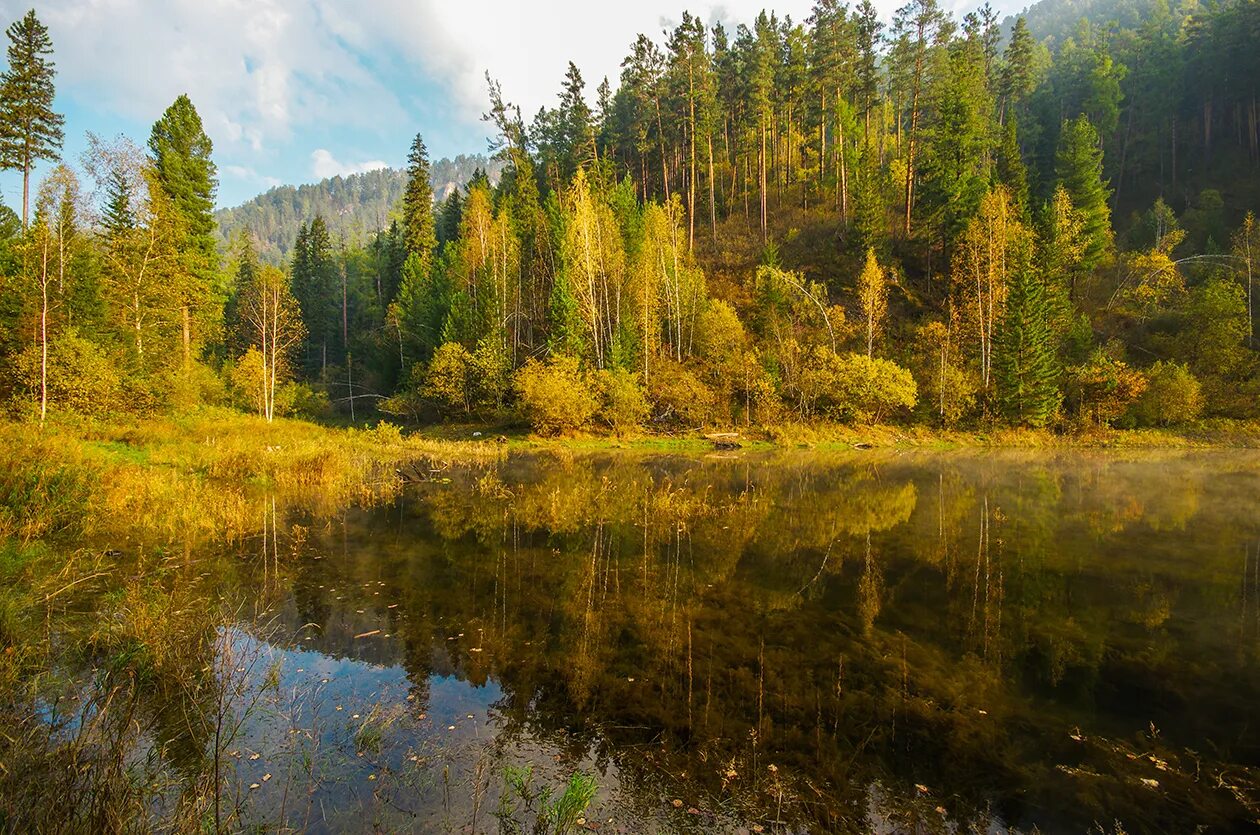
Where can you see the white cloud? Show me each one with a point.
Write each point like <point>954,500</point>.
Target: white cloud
<point>258,70</point>
<point>324,165</point>
<point>249,175</point>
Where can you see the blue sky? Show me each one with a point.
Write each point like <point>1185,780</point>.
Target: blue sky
<point>293,91</point>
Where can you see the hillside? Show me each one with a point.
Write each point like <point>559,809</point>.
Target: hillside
<point>353,206</point>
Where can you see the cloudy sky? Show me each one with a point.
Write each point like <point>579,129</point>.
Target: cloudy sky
<point>293,91</point>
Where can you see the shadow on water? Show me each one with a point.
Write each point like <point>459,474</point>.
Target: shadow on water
<point>791,642</point>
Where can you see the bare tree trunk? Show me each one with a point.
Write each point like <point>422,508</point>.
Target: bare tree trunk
<point>43,338</point>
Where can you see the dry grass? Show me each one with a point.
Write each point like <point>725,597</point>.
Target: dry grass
<point>194,477</point>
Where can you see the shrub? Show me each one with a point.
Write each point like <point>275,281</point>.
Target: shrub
<point>186,388</point>
<point>622,404</point>
<point>449,379</point>
<point>247,381</point>
<point>80,377</point>
<point>554,396</point>
<point>854,387</point>
<point>1102,389</point>
<point>1172,396</point>
<point>678,396</point>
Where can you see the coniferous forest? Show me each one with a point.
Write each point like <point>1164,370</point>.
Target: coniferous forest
<point>948,222</point>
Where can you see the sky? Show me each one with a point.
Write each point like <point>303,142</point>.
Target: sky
<point>293,91</point>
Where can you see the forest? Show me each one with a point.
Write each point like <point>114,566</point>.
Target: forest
<point>916,221</point>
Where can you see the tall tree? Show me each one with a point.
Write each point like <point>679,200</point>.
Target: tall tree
<point>184,170</point>
<point>1025,365</point>
<point>419,228</point>
<point>918,25</point>
<point>273,321</point>
<point>1079,166</point>
<point>29,128</point>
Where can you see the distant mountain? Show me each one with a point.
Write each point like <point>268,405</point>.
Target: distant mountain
<point>1055,20</point>
<point>354,207</point>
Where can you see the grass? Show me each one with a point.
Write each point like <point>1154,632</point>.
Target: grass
<point>193,477</point>
<point>826,436</point>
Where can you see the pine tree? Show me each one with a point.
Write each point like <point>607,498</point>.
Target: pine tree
<point>29,128</point>
<point>419,232</point>
<point>1026,365</point>
<point>186,174</point>
<point>1009,168</point>
<point>181,155</point>
<point>1079,167</point>
<point>1016,80</point>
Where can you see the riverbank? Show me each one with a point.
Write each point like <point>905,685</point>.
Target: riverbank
<point>828,437</point>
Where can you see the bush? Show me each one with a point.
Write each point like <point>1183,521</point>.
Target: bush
<point>247,381</point>
<point>854,387</point>
<point>678,396</point>
<point>554,396</point>
<point>449,379</point>
<point>193,386</point>
<point>622,404</point>
<point>1102,389</point>
<point>80,377</point>
<point>1172,396</point>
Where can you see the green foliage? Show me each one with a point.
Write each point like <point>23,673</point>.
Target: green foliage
<point>555,396</point>
<point>1025,365</point>
<point>622,405</point>
<point>1172,396</point>
<point>419,229</point>
<point>81,378</point>
<point>1079,167</point>
<point>30,130</point>
<point>181,157</point>
<point>854,387</point>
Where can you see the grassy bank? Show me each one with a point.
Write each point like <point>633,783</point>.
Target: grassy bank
<point>832,436</point>
<point>193,477</point>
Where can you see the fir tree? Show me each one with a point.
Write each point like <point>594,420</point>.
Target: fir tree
<point>1016,79</point>
<point>420,236</point>
<point>1079,167</point>
<point>29,128</point>
<point>1009,166</point>
<point>181,156</point>
<point>118,218</point>
<point>1025,366</point>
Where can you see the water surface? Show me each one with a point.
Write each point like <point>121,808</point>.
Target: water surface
<point>788,642</point>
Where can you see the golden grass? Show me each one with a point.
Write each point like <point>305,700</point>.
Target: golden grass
<point>197,476</point>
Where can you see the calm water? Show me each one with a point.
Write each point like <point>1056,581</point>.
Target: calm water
<point>885,642</point>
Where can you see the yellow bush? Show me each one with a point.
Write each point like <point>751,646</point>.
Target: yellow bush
<point>555,396</point>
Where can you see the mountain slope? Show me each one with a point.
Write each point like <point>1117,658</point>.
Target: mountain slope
<point>354,207</point>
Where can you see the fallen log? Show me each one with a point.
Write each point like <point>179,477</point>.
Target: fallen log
<point>724,440</point>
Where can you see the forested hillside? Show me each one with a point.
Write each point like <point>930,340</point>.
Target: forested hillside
<point>354,207</point>
<point>916,220</point>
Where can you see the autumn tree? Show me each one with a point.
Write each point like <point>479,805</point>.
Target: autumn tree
<point>872,292</point>
<point>273,320</point>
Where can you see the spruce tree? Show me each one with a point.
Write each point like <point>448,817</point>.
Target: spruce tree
<point>118,218</point>
<point>1025,363</point>
<point>1016,80</point>
<point>1009,166</point>
<point>420,236</point>
<point>1079,167</point>
<point>181,156</point>
<point>29,128</point>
